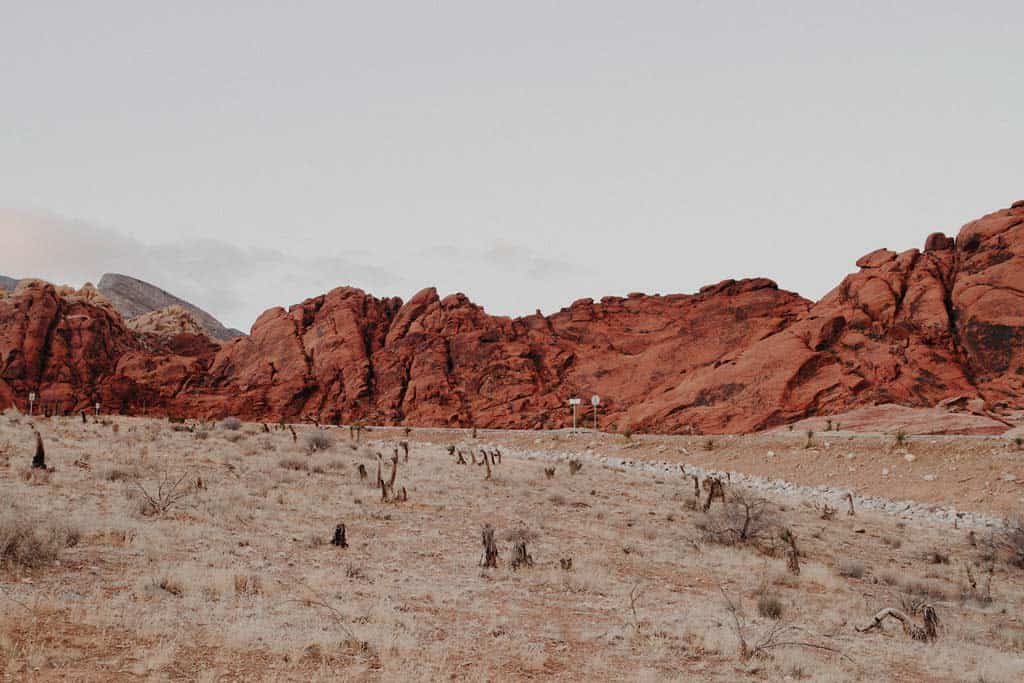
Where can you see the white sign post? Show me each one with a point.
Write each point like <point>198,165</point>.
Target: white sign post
<point>574,402</point>
<point>595,401</point>
<point>97,408</point>
<point>31,400</point>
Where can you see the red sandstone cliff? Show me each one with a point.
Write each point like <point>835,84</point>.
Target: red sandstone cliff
<point>914,328</point>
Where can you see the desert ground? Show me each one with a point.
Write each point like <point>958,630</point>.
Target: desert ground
<point>151,550</point>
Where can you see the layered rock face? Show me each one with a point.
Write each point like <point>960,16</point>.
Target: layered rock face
<point>915,329</point>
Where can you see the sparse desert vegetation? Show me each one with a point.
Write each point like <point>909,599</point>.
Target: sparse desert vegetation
<point>333,553</point>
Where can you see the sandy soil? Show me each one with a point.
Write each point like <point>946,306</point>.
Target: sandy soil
<point>236,580</point>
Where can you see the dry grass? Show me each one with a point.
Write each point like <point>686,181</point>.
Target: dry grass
<point>30,541</point>
<point>237,580</point>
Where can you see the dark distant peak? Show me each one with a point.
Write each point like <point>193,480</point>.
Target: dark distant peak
<point>133,297</point>
<point>8,283</point>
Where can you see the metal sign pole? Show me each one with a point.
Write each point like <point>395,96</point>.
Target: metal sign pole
<point>31,401</point>
<point>595,401</point>
<point>574,402</point>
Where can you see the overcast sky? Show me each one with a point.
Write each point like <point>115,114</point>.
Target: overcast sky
<point>250,154</point>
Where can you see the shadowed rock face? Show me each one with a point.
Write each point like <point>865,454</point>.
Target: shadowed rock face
<point>913,329</point>
<point>133,298</point>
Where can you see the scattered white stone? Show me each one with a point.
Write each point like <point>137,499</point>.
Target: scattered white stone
<point>929,477</point>
<point>1008,477</point>
<point>885,471</point>
<point>909,457</point>
<point>771,454</point>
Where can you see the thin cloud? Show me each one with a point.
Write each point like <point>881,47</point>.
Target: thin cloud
<point>236,283</point>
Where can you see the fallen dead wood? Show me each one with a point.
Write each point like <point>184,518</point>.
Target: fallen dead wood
<point>925,632</point>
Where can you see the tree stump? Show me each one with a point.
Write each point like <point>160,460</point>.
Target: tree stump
<point>566,563</point>
<point>339,537</point>
<point>521,558</point>
<point>490,556</point>
<point>792,554</point>
<point>39,459</point>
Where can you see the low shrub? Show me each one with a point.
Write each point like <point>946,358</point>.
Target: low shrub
<point>32,541</point>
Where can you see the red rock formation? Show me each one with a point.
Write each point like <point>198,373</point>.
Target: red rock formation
<point>913,329</point>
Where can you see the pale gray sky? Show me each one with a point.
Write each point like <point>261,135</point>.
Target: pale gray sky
<point>250,154</point>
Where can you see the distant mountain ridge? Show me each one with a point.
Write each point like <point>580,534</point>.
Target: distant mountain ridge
<point>133,297</point>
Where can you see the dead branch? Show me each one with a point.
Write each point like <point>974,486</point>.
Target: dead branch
<point>405,449</point>
<point>926,632</point>
<point>462,460</point>
<point>167,493</point>
<point>295,437</point>
<point>575,466</point>
<point>849,499</point>
<point>635,593</point>
<point>828,512</point>
<point>773,638</point>
<point>715,489</point>
<point>362,472</point>
<point>487,462</point>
